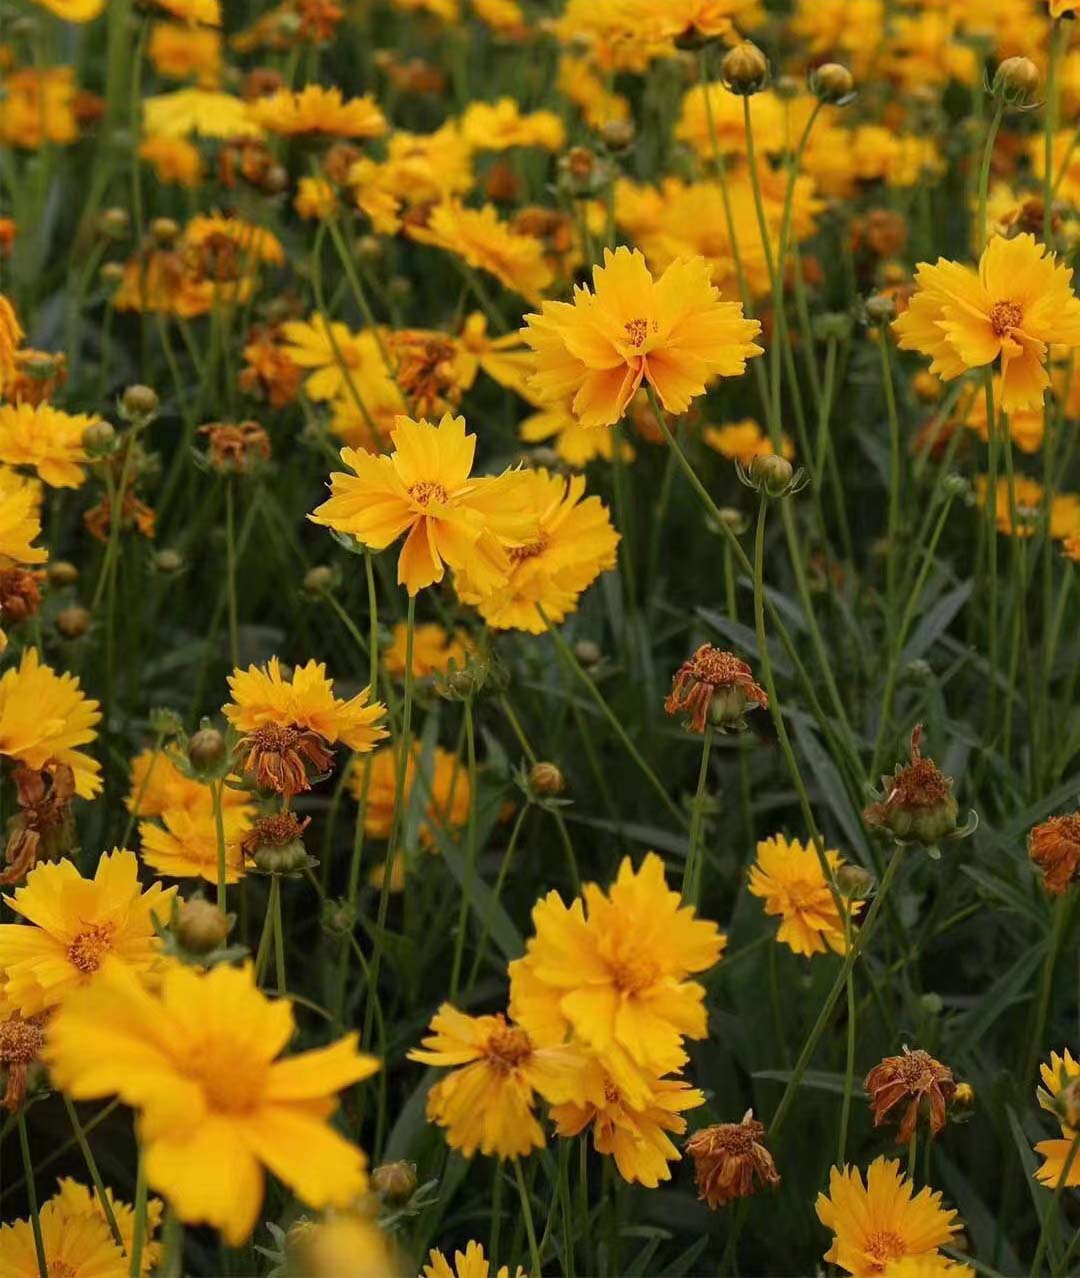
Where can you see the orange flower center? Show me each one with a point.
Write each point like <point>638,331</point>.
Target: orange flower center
<point>884,1246</point>
<point>426,492</point>
<point>804,895</point>
<point>231,1085</point>
<point>61,1269</point>
<point>637,330</point>
<point>90,947</point>
<point>530,550</point>
<point>1005,316</point>
<point>508,1047</point>
<point>20,1041</point>
<point>633,975</point>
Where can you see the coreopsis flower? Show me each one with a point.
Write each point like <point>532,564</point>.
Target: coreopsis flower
<point>731,1161</point>
<point>174,160</point>
<point>225,249</point>
<point>74,10</point>
<point>1028,496</point>
<point>276,843</point>
<point>497,126</point>
<point>80,1247</point>
<point>470,1263</point>
<point>288,724</point>
<point>488,1099</point>
<point>635,1135</point>
<point>729,122</point>
<point>434,649</point>
<point>19,526</point>
<point>744,440</point>
<point>236,448</point>
<point>343,1243</point>
<point>488,244</point>
<point>917,1080</point>
<point>505,17</point>
<point>158,786</point>
<point>850,30</point>
<point>788,876</point>
<point>318,110</point>
<point>578,81</point>
<point>21,1041</point>
<point>883,1223</point>
<point>1054,846</point>
<point>574,444</point>
<point>613,970</point>
<point>714,688</point>
<point>11,336</point>
<point>1059,1076</point>
<point>1071,547</point>
<point>424,488</point>
<point>42,828</point>
<point>1018,303</point>
<point>76,925</point>
<point>444,781</point>
<point>429,371</point>
<point>505,359</point>
<point>269,371</point>
<point>206,12</point>
<point>39,107</point>
<point>689,20</point>
<point>675,333</point>
<point>44,717</point>
<point>573,544</point>
<point>210,113</point>
<point>76,1202</point>
<point>1027,426</point>
<point>916,803</point>
<point>47,440</point>
<point>315,199</point>
<point>180,52</point>
<point>199,1061</point>
<point>185,845</point>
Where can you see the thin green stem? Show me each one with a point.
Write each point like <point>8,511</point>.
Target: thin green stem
<point>92,1167</point>
<point>31,1197</point>
<point>470,853</point>
<point>138,1235</point>
<point>527,1216</point>
<point>219,826</point>
<point>691,883</point>
<point>230,569</point>
<point>1051,1211</point>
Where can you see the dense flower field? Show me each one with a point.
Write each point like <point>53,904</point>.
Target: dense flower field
<point>538,685</point>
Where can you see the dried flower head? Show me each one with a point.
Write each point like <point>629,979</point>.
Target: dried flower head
<point>19,594</point>
<point>21,1041</point>
<point>276,843</point>
<point>1054,846</point>
<point>42,828</point>
<point>277,756</point>
<point>917,804</point>
<point>917,1078</point>
<point>730,1161</point>
<point>236,449</point>
<point>714,687</point>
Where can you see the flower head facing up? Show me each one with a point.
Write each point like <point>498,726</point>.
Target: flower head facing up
<point>730,1161</point>
<point>884,1222</point>
<point>77,924</point>
<point>1016,305</point>
<point>425,489</point>
<point>470,1263</point>
<point>199,1062</point>
<point>674,333</point>
<point>788,876</point>
<point>486,1103</point>
<point>317,110</point>
<point>1058,1094</point>
<point>78,1202</point>
<point>917,804</point>
<point>612,968</point>
<point>1054,846</point>
<point>434,649</point>
<point>714,688</point>
<point>917,1079</point>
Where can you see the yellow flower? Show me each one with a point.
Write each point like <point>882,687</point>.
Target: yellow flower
<point>39,107</point>
<point>75,1247</point>
<point>434,648</point>
<point>318,110</point>
<point>445,783</point>
<point>1057,1073</point>
<point>420,168</point>
<point>47,439</point>
<point>574,444</point>
<point>1018,303</point>
<point>483,241</point>
<point>573,544</point>
<point>44,716</point>
<point>158,786</point>
<point>1028,495</point>
<point>197,1060</point>
<point>505,359</point>
<point>11,336</point>
<point>77,1202</point>
<point>253,243</point>
<point>424,488</point>
<point>208,12</point>
<point>788,876</point>
<point>208,112</point>
<point>486,1103</point>
<point>850,31</point>
<point>19,526</point>
<point>74,10</point>
<point>315,198</point>
<point>635,1135</point>
<point>881,1224</point>
<point>743,441</point>
<point>174,159</point>
<point>179,52</point>
<point>497,126</point>
<point>505,17</point>
<point>470,1263</point>
<point>445,9</point>
<point>1026,426</point>
<point>726,19</point>
<point>579,83</point>
<point>674,333</point>
<point>614,971</point>
<point>325,350</point>
<point>78,924</point>
<point>729,123</point>
<point>345,1244</point>
<point>187,846</point>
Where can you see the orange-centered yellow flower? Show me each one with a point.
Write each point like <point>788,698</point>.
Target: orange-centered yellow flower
<point>318,110</point>
<point>674,333</point>
<point>199,1062</point>
<point>787,875</point>
<point>1019,302</point>
<point>425,489</point>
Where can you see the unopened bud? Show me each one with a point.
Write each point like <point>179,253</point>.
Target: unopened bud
<point>854,883</point>
<point>547,779</point>
<point>168,561</point>
<point>587,652</point>
<point>111,274</point>
<point>114,223</point>
<point>880,308</point>
<point>744,70</point>
<point>61,573</point>
<point>394,1182</point>
<point>771,473</point>
<point>73,622</point>
<point>832,83</point>
<point>99,438</point>
<point>164,230</point>
<point>139,402</point>
<point>617,135</point>
<point>199,926</point>
<point>275,180</point>
<point>206,751</point>
<point>1016,79</point>
<point>320,580</point>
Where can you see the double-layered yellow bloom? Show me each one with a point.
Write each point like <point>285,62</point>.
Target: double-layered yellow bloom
<point>787,875</point>
<point>46,439</point>
<point>1058,1073</point>
<point>185,845</point>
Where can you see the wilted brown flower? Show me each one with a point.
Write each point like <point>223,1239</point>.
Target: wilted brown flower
<point>1054,846</point>
<point>917,1078</point>
<point>276,843</point>
<point>278,754</point>
<point>917,802</point>
<point>19,594</point>
<point>21,1042</point>
<point>730,1161</point>
<point>236,448</point>
<point>42,828</point>
<point>426,372</point>
<point>269,372</point>
<point>244,158</point>
<point>714,687</point>
<point>133,514</point>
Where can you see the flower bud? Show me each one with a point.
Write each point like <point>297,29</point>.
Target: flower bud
<point>916,803</point>
<point>320,580</point>
<point>744,70</point>
<point>99,438</point>
<point>206,751</point>
<point>582,172</point>
<point>832,83</point>
<point>164,230</point>
<point>880,309</point>
<point>200,926</point>
<point>338,917</point>
<point>617,135</point>
<point>786,87</point>
<point>771,473</point>
<point>168,561</point>
<point>1016,80</point>
<point>546,779</point>
<point>394,1182</point>
<point>61,573</point>
<point>931,1003</point>
<point>276,844</point>
<point>587,652</point>
<point>113,223</point>
<point>165,722</point>
<point>139,403</point>
<point>369,248</point>
<point>73,622</point>
<point>275,180</point>
<point>111,274</point>
<point>854,883</point>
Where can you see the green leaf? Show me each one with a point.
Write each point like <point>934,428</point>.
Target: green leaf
<point>1008,989</point>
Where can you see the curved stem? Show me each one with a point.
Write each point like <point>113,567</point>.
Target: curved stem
<point>691,884</point>
<point>31,1197</point>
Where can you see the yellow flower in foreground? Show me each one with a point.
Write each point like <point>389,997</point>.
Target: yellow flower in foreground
<point>185,846</point>
<point>787,875</point>
<point>674,333</point>
<point>316,109</point>
<point>81,1247</point>
<point>744,440</point>
<point>198,1061</point>
<point>495,126</point>
<point>208,112</point>
<point>883,1228</point>
<point>345,1244</point>
<point>635,1135</point>
<point>1057,1074</point>
<point>77,925</point>
<point>424,488</point>
<point>614,971</point>
<point>573,544</point>
<point>77,1202</point>
<point>434,648</point>
<point>47,439</point>
<point>471,1263</point>
<point>19,526</point>
<point>1019,302</point>
<point>483,241</point>
<point>486,1102</point>
<point>44,716</point>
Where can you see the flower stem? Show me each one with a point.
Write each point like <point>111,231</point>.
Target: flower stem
<point>279,940</point>
<point>31,1197</point>
<point>691,884</point>
<point>984,172</point>
<point>92,1168</point>
<point>1052,1206</point>
<point>230,570</point>
<point>219,824</point>
<point>526,1212</point>
<point>138,1236</point>
<point>470,853</point>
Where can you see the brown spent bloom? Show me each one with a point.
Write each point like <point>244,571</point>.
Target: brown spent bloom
<point>275,831</point>
<point>716,687</point>
<point>426,372</point>
<point>244,158</point>
<point>134,514</point>
<point>1054,846</point>
<point>19,594</point>
<point>236,449</point>
<point>42,828</point>
<point>278,755</point>
<point>269,373</point>
<point>21,1042</point>
<point>918,803</point>
<point>915,1077</point>
<point>730,1161</point>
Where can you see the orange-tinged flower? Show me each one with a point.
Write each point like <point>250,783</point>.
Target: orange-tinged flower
<point>1018,303</point>
<point>39,107</point>
<point>179,52</point>
<point>316,109</point>
<point>787,875</point>
<point>488,244</point>
<point>917,1078</point>
<point>434,648</point>
<point>444,783</point>
<point>207,12</point>
<point>715,688</point>
<point>1027,495</point>
<point>11,336</point>
<point>425,489</point>
<point>185,845</point>
<point>673,333</point>
<point>1054,846</point>
<point>47,439</point>
<point>744,440</point>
